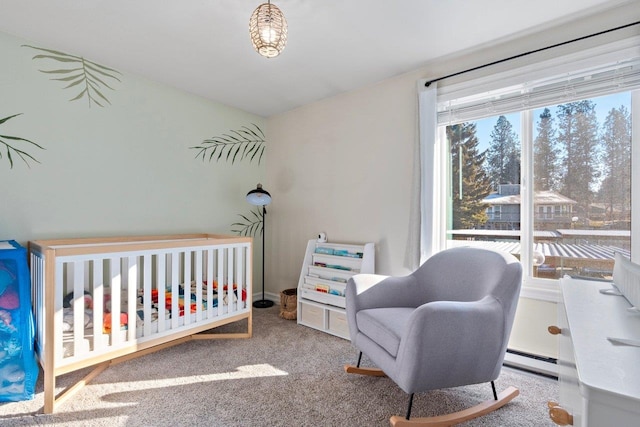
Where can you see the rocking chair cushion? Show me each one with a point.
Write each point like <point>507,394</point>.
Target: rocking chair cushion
<point>384,326</point>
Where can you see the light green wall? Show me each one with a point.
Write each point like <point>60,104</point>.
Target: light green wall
<point>125,169</point>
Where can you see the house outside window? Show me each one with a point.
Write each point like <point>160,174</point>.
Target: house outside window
<point>553,210</point>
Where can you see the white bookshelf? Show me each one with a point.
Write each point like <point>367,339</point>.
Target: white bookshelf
<point>323,280</point>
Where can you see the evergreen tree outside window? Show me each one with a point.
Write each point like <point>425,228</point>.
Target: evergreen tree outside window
<point>470,184</point>
<point>546,155</point>
<point>503,162</point>
<point>615,191</point>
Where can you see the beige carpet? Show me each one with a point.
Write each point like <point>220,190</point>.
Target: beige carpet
<point>286,375</point>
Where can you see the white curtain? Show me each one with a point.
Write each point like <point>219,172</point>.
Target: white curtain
<point>423,234</point>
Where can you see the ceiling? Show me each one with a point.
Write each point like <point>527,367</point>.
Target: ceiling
<point>203,46</point>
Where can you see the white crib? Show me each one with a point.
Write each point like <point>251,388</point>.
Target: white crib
<point>100,301</point>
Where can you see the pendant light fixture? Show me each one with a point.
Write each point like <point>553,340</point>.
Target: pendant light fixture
<point>268,30</point>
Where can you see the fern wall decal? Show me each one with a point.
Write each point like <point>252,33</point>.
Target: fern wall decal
<point>91,78</point>
<point>251,224</point>
<point>11,150</point>
<point>244,143</point>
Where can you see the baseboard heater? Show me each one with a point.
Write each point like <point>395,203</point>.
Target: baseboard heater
<point>546,366</point>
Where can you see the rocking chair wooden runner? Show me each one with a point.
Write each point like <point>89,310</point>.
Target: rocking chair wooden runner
<point>445,325</point>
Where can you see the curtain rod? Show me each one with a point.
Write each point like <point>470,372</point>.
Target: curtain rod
<point>427,84</point>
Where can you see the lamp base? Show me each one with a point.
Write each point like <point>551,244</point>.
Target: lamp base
<point>263,303</point>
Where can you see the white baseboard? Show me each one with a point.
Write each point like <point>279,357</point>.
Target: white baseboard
<point>267,295</point>
<point>531,364</point>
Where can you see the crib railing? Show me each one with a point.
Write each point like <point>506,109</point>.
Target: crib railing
<point>96,297</point>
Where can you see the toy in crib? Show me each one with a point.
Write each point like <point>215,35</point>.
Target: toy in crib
<point>106,324</point>
<point>235,291</point>
<point>168,302</point>
<point>190,300</point>
<point>191,297</point>
<point>67,312</point>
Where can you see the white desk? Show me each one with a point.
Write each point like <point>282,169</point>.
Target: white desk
<point>599,381</point>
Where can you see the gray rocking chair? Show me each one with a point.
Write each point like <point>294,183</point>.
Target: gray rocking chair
<point>445,325</point>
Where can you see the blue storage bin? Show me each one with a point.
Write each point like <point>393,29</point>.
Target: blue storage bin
<point>18,365</point>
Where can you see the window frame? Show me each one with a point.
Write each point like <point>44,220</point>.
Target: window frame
<point>534,287</point>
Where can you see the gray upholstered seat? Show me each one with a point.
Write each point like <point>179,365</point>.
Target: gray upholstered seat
<point>447,324</point>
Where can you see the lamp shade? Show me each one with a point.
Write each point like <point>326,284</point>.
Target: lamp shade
<point>268,30</point>
<point>259,196</point>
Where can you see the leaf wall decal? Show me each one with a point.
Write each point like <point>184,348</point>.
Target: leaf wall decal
<point>250,225</point>
<point>244,143</point>
<point>91,77</point>
<point>10,148</point>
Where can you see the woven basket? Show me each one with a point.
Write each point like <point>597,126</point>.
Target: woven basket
<point>289,304</point>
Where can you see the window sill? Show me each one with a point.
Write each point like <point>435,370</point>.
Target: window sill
<point>542,290</point>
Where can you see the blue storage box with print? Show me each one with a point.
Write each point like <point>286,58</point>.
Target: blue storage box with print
<point>18,365</point>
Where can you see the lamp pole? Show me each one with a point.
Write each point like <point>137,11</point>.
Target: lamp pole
<point>263,303</point>
<point>261,197</point>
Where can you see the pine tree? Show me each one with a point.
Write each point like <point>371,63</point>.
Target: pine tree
<point>615,190</point>
<point>545,154</point>
<point>503,160</point>
<point>470,184</point>
<point>578,136</point>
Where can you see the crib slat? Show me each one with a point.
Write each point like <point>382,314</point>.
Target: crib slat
<point>57,314</point>
<point>175,289</point>
<point>76,277</point>
<point>146,296</point>
<point>210,279</point>
<point>116,286</point>
<point>37,280</point>
<point>248,263</point>
<point>161,287</point>
<point>98,306</point>
<point>239,275</point>
<point>220,279</point>
<point>132,286</point>
<point>186,280</point>
<point>198,281</point>
<point>230,279</point>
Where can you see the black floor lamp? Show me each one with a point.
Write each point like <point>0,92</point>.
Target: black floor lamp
<point>260,197</point>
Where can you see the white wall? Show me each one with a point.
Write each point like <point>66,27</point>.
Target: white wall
<point>125,169</point>
<point>344,165</point>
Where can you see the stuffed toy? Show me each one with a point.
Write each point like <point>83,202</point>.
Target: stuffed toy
<point>106,327</point>
<point>11,374</point>
<point>9,299</point>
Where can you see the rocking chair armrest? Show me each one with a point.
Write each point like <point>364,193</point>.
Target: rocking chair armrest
<point>363,282</point>
<point>366,291</point>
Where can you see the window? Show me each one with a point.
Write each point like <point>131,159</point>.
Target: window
<point>572,138</point>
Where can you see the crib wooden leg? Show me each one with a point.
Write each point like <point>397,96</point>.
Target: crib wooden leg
<point>51,402</point>
<point>49,391</point>
<point>236,335</point>
<point>149,350</point>
<point>80,384</point>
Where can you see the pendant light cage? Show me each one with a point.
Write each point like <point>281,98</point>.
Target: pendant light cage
<point>268,30</point>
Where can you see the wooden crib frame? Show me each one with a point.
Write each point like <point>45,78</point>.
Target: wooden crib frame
<point>125,270</point>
